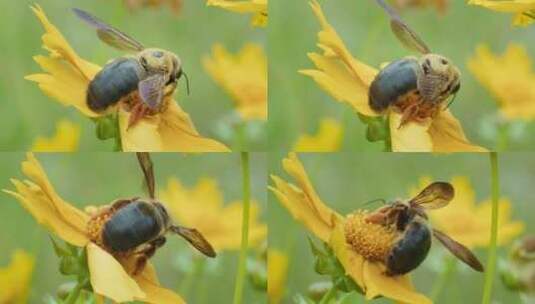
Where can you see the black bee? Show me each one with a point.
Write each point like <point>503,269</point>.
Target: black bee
<point>138,226</point>
<point>409,218</point>
<point>150,74</point>
<point>416,87</point>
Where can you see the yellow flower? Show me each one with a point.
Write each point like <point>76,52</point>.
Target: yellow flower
<point>355,242</point>
<point>243,76</point>
<point>15,278</point>
<point>524,10</point>
<point>256,7</point>
<point>509,78</point>
<point>176,5</point>
<point>66,139</point>
<point>327,139</point>
<point>469,223</point>
<point>110,277</point>
<point>202,207</point>
<point>348,81</point>
<point>67,77</point>
<point>277,273</point>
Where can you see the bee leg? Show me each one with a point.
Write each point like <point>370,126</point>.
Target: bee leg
<point>138,112</point>
<point>170,89</point>
<point>147,252</point>
<point>408,114</point>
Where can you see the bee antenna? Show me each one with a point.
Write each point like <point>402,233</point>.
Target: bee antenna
<point>187,81</point>
<point>382,200</point>
<point>452,100</point>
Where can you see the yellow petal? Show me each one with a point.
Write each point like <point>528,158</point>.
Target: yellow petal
<point>67,74</point>
<point>65,140</point>
<point>508,6</point>
<point>338,73</point>
<point>352,262</point>
<point>172,130</point>
<point>277,273</point>
<point>327,139</point>
<point>243,76</point>
<point>15,279</point>
<point>108,277</point>
<point>398,288</point>
<point>41,200</point>
<point>258,7</point>
<point>303,202</point>
<point>441,134</point>
<point>154,293</point>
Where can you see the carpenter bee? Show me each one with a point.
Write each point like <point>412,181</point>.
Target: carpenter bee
<point>410,220</point>
<point>141,81</point>
<point>138,226</point>
<point>418,88</point>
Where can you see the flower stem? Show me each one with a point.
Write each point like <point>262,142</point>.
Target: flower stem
<point>75,293</point>
<point>491,260</point>
<point>240,278</point>
<point>450,266</point>
<point>330,294</point>
<point>502,141</point>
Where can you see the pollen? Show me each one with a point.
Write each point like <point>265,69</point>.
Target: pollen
<point>372,241</point>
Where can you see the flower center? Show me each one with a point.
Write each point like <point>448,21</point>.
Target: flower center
<point>372,241</point>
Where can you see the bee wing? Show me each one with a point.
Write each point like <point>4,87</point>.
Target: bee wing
<point>148,171</point>
<point>196,239</point>
<point>434,196</point>
<point>403,32</point>
<point>108,34</point>
<point>151,90</point>
<point>460,251</point>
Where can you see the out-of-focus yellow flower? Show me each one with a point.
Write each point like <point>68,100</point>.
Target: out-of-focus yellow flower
<point>440,5</point>
<point>175,5</point>
<point>243,76</point>
<point>509,77</point>
<point>467,222</point>
<point>65,139</point>
<point>110,277</point>
<point>202,207</point>
<point>327,139</point>
<point>257,7</point>
<point>524,10</point>
<point>341,233</point>
<point>348,80</point>
<point>277,273</point>
<point>67,78</point>
<point>15,278</point>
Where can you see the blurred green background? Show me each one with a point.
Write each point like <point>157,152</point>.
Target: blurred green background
<point>346,181</point>
<point>297,104</point>
<point>29,113</point>
<point>99,178</point>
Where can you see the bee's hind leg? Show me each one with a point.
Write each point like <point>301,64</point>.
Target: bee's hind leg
<point>146,253</point>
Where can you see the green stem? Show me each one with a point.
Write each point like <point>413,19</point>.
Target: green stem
<point>240,278</point>
<point>502,140</point>
<point>241,137</point>
<point>450,266</point>
<point>75,293</point>
<point>388,139</point>
<point>331,294</point>
<point>492,251</point>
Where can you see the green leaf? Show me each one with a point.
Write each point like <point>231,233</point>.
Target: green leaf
<point>301,299</point>
<point>59,250</point>
<point>107,127</point>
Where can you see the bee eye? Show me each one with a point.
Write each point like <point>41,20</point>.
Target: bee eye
<point>444,61</point>
<point>178,74</point>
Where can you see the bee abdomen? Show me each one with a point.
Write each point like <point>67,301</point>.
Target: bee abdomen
<point>130,227</point>
<point>410,251</point>
<point>395,80</point>
<point>116,80</point>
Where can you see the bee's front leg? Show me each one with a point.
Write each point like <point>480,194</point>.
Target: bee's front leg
<point>146,253</point>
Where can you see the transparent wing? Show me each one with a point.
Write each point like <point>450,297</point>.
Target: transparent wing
<point>403,32</point>
<point>434,196</point>
<point>108,34</point>
<point>196,239</point>
<point>151,90</point>
<point>148,171</point>
<point>460,251</point>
